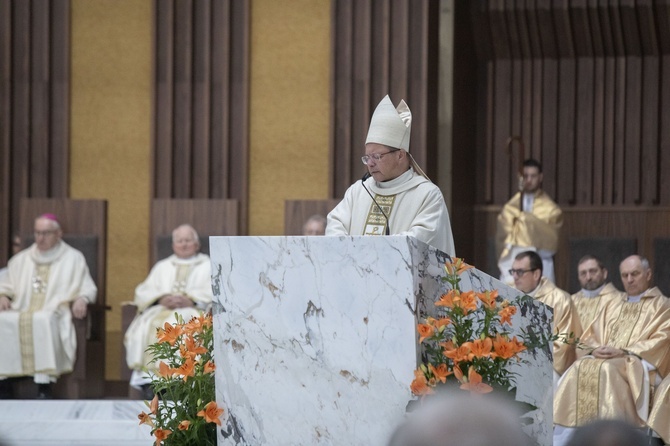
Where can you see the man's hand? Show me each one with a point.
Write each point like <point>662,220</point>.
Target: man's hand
<point>175,301</point>
<point>5,303</point>
<point>606,352</point>
<point>80,308</point>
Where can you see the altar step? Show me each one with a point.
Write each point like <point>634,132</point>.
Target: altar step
<point>73,422</point>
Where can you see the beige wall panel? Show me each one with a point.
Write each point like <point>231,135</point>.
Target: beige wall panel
<point>110,139</point>
<point>289,117</point>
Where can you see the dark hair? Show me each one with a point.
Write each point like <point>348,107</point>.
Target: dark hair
<point>607,433</point>
<point>532,162</point>
<point>533,257</point>
<point>600,263</point>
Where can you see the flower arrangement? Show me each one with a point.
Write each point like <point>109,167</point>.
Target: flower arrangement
<point>469,343</point>
<point>186,412</point>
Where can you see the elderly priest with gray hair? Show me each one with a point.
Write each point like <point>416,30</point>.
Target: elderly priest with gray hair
<point>44,281</point>
<point>395,196</point>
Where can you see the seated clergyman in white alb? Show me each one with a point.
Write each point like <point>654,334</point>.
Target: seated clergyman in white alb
<point>179,284</point>
<point>46,285</point>
<point>410,203</point>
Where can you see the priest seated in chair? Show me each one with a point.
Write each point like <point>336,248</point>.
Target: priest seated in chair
<point>180,284</point>
<point>46,285</point>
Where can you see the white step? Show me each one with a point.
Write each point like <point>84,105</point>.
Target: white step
<point>73,422</point>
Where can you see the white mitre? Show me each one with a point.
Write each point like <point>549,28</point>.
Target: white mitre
<point>391,126</point>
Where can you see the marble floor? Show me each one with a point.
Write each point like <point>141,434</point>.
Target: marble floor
<point>72,422</point>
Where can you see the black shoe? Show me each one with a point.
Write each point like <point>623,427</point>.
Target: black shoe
<point>6,389</point>
<point>44,392</point>
<point>147,393</point>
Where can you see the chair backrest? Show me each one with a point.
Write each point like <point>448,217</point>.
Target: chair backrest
<point>296,212</point>
<point>210,217</point>
<point>84,225</point>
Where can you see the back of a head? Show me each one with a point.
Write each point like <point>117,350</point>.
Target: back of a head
<point>457,419</point>
<point>607,433</point>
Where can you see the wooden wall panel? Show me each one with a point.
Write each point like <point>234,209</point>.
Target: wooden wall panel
<point>201,85</point>
<point>381,47</point>
<point>34,106</point>
<point>581,83</point>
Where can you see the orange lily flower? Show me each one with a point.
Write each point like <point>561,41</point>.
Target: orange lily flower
<point>457,266</point>
<point>518,345</point>
<point>184,425</point>
<point>191,349</point>
<point>503,348</point>
<point>420,386</point>
<point>211,413</point>
<point>165,370</point>
<point>449,299</point>
<point>145,419</point>
<point>480,348</point>
<point>468,301</point>
<point>186,369</point>
<point>488,298</point>
<point>456,354</point>
<point>440,372</point>
<point>506,315</point>
<point>209,367</point>
<point>442,322</point>
<point>458,373</point>
<point>425,331</point>
<point>197,324</point>
<point>169,333</point>
<point>153,407</point>
<point>161,434</point>
<point>474,383</point>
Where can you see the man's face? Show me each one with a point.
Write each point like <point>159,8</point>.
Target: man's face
<point>46,234</point>
<point>532,179</point>
<point>524,279</point>
<point>314,227</point>
<point>591,276</point>
<point>635,279</point>
<point>184,243</point>
<point>389,165</point>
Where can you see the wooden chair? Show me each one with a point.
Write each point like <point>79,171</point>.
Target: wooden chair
<point>296,212</point>
<point>84,224</point>
<point>208,217</point>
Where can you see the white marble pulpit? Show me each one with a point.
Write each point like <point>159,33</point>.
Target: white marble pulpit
<point>315,337</point>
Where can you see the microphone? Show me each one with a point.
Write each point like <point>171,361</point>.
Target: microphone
<point>365,177</point>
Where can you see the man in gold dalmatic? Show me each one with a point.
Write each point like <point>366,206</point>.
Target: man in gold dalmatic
<point>627,349</point>
<point>528,278</point>
<point>595,292</point>
<point>530,220</point>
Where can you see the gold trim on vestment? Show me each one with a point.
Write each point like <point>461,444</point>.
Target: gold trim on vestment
<point>588,389</point>
<point>178,287</point>
<point>622,329</point>
<point>37,298</point>
<point>375,223</point>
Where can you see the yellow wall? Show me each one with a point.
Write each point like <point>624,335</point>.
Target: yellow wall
<point>111,124</point>
<point>290,50</point>
<point>111,138</point>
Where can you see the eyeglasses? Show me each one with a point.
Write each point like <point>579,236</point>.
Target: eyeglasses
<point>375,156</point>
<point>520,272</point>
<point>44,233</point>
